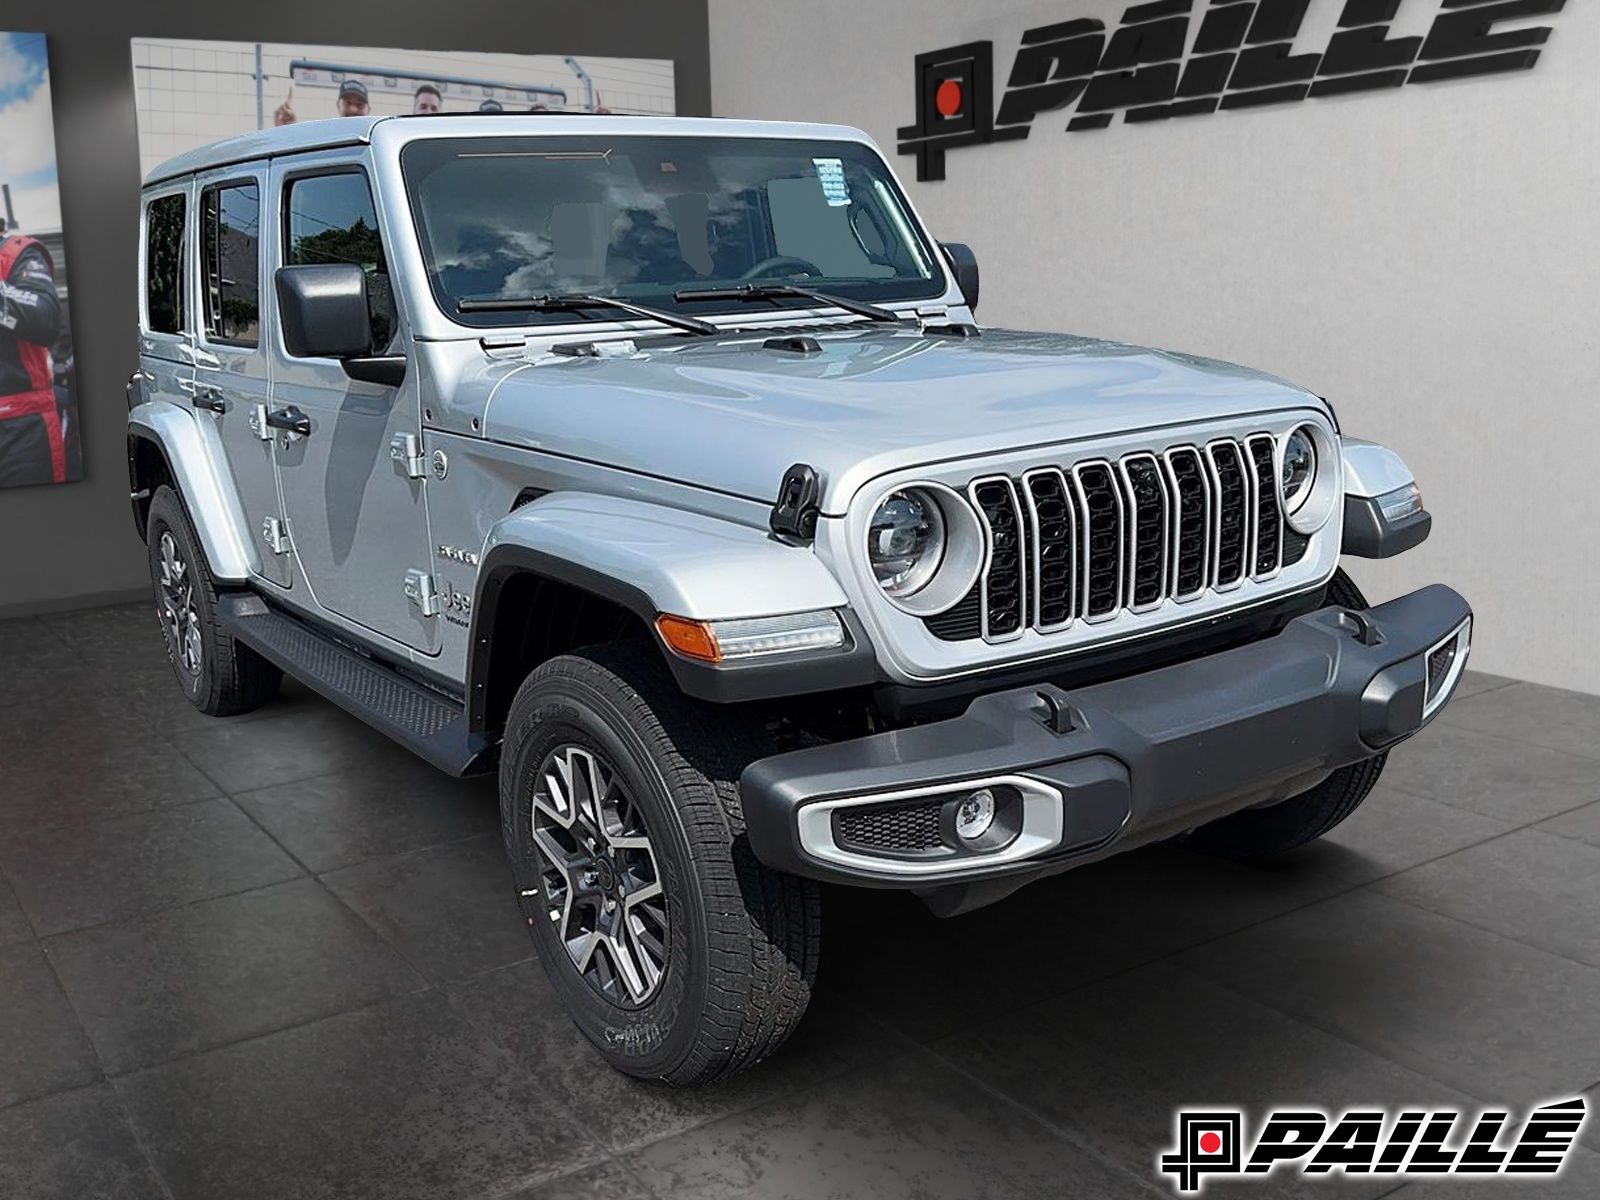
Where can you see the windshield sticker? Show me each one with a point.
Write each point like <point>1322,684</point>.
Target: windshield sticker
<point>830,174</point>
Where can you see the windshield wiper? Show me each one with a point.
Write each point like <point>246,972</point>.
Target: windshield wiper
<point>578,302</point>
<point>777,291</point>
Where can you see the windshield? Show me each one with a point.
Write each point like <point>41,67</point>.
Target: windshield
<point>644,217</point>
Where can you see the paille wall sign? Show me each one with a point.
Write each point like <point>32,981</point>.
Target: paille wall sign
<point>1241,57</point>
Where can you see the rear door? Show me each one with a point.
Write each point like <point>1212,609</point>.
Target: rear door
<point>352,489</point>
<point>232,384</point>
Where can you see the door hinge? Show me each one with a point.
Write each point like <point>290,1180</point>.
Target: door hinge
<point>276,535</point>
<point>420,589</point>
<point>258,422</point>
<point>406,450</point>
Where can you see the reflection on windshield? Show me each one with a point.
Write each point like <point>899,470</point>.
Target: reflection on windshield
<point>645,217</point>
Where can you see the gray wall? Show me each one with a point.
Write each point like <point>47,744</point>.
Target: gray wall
<point>1425,257</point>
<point>74,545</point>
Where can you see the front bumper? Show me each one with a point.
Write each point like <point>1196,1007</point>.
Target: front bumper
<point>1081,774</point>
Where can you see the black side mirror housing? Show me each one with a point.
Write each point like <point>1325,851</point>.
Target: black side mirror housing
<point>322,308</point>
<point>965,265</point>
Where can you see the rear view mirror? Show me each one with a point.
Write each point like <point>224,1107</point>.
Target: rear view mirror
<point>965,265</point>
<point>322,308</point>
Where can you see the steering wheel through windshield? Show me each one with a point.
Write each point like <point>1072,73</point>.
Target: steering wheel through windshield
<point>782,264</point>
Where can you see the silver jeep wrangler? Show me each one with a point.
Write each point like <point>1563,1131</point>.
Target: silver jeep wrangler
<point>659,465</point>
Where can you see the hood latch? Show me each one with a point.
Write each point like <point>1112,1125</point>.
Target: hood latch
<point>799,502</point>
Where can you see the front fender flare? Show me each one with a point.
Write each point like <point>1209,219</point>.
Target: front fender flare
<point>652,559</point>
<point>204,485</point>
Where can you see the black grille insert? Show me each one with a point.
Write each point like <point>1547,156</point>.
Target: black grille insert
<point>1004,581</point>
<point>1233,514</point>
<point>1056,548</point>
<point>1269,518</point>
<point>1148,517</point>
<point>906,828</point>
<point>1194,521</point>
<point>1102,522</point>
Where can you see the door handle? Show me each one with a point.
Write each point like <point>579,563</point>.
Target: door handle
<point>211,400</point>
<point>290,420</point>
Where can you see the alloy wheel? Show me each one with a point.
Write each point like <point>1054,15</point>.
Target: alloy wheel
<point>180,617</point>
<point>599,883</point>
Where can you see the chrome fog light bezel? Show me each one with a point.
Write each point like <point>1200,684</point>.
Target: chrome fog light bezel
<point>1433,699</point>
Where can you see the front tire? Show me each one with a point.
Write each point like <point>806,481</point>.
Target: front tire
<point>222,677</point>
<point>675,951</point>
<point>1263,832</point>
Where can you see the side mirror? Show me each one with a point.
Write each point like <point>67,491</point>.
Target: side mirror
<point>322,308</point>
<point>324,313</point>
<point>965,265</point>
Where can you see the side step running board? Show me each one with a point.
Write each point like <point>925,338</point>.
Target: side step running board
<point>425,721</point>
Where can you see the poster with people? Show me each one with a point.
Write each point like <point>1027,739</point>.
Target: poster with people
<point>39,441</point>
<point>190,93</point>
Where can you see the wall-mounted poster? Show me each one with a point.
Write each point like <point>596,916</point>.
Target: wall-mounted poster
<point>38,404</point>
<point>190,93</point>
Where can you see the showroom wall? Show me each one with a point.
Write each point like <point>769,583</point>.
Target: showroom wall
<point>73,545</point>
<point>1425,256</point>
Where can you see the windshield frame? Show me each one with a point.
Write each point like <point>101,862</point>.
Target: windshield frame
<point>911,294</point>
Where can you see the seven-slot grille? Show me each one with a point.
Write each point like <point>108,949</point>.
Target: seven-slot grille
<point>1102,537</point>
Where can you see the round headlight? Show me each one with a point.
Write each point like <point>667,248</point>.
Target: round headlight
<point>906,541</point>
<point>1299,469</point>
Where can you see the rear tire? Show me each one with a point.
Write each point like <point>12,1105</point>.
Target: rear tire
<point>717,969</point>
<point>221,677</point>
<point>1262,832</point>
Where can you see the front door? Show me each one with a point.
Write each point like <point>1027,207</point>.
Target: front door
<point>356,510</point>
<point>231,390</point>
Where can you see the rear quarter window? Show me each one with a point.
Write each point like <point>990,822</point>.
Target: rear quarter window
<point>163,264</point>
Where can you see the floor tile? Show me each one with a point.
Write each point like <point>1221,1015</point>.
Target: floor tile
<point>609,1180</point>
<point>42,1047</point>
<point>1581,823</point>
<point>248,756</point>
<point>911,1128</point>
<point>31,657</point>
<point>929,976</point>
<point>13,924</point>
<point>1500,1020</point>
<point>1110,1062</point>
<point>73,1146</point>
<point>1161,899</point>
<point>387,808</point>
<point>404,1101</point>
<point>70,876</point>
<point>1497,777</point>
<point>1392,831</point>
<point>1530,712</point>
<point>113,774</point>
<point>211,973</point>
<point>1535,887</point>
<point>1473,682</point>
<point>518,1008</point>
<point>451,909</point>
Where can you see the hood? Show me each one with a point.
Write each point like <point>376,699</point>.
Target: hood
<point>733,415</point>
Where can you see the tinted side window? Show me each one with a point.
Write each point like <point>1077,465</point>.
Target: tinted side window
<point>230,235</point>
<point>163,257</point>
<point>330,219</point>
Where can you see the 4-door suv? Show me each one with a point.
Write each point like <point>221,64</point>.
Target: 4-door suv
<point>659,465</point>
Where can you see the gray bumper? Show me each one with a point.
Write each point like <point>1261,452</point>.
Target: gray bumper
<point>1096,770</point>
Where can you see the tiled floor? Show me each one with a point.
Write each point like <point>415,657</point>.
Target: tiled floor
<point>275,957</point>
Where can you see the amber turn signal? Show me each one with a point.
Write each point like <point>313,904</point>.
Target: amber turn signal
<point>692,639</point>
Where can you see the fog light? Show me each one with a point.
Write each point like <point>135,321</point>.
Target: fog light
<point>975,815</point>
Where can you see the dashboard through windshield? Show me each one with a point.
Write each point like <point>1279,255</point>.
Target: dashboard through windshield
<point>643,218</point>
